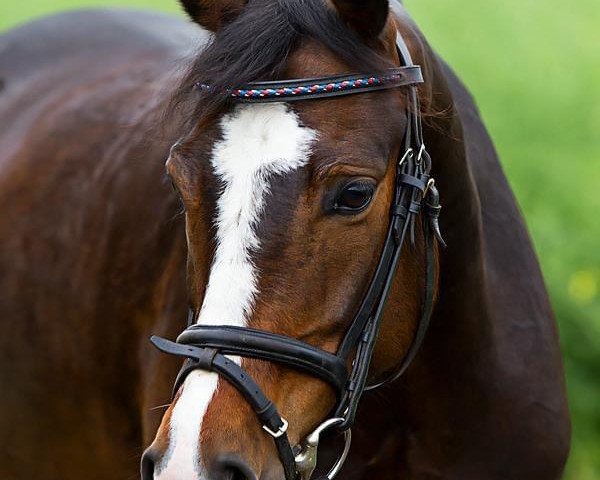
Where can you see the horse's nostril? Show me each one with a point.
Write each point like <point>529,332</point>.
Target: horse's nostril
<point>235,475</point>
<point>147,466</point>
<point>234,468</point>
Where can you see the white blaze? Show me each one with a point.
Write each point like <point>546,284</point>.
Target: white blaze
<point>258,142</point>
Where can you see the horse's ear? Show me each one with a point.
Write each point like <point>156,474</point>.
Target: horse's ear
<point>213,14</point>
<point>366,17</point>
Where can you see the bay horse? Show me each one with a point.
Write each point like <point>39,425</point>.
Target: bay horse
<point>276,222</point>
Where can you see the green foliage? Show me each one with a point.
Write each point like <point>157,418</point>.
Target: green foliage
<point>533,68</point>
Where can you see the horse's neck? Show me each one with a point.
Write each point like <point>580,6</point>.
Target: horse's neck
<point>488,382</point>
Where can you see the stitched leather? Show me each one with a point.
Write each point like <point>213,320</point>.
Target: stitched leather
<point>409,75</point>
<point>419,183</point>
<point>269,346</point>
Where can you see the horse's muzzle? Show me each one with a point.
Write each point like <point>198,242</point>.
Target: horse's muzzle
<point>227,467</point>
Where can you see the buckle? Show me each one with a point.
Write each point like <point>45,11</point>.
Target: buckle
<point>280,432</point>
<point>409,153</point>
<point>420,154</point>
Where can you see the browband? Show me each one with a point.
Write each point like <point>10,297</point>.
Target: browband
<point>321,87</point>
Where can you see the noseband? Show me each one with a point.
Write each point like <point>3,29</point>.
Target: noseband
<point>206,347</point>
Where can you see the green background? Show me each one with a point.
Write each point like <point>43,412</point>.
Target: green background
<point>534,68</point>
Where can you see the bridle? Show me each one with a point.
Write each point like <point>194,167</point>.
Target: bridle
<point>207,347</point>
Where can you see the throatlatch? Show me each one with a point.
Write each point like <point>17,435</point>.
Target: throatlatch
<point>207,347</point>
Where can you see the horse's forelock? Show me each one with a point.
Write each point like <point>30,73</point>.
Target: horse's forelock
<point>256,47</point>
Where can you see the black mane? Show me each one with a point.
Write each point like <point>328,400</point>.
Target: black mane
<point>256,45</point>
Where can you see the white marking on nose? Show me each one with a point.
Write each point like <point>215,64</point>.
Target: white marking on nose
<point>181,460</point>
<point>258,141</point>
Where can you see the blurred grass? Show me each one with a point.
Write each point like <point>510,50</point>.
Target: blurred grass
<point>534,68</point>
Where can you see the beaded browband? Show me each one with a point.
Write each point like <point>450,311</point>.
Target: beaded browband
<point>306,89</point>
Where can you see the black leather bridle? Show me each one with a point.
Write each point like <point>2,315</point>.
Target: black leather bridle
<point>207,347</point>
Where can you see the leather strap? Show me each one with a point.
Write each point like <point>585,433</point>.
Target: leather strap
<point>404,76</point>
<point>412,178</point>
<point>420,183</point>
<point>263,345</point>
<point>209,359</point>
<point>424,321</point>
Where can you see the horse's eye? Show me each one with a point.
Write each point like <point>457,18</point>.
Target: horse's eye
<point>354,197</point>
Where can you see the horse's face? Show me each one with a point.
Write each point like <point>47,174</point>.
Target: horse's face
<point>287,207</point>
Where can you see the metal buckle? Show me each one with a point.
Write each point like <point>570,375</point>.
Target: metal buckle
<point>420,154</point>
<point>279,432</point>
<point>430,184</point>
<point>306,460</point>
<point>407,154</point>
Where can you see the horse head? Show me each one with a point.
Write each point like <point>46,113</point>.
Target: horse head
<point>287,208</point>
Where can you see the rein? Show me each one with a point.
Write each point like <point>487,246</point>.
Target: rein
<point>207,347</point>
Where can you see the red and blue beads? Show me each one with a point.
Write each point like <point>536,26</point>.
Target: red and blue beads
<point>308,90</point>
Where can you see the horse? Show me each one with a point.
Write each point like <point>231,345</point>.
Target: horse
<point>271,217</point>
